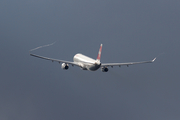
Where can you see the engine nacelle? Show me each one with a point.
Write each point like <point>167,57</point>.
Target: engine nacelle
<point>64,66</point>
<point>104,69</point>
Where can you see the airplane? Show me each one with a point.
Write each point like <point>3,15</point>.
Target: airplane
<point>87,63</point>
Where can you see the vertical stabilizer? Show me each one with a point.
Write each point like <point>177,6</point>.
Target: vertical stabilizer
<point>99,53</point>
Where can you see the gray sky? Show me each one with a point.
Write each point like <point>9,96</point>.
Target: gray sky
<point>35,89</point>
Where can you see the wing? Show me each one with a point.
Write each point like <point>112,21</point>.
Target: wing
<point>56,60</point>
<point>128,63</point>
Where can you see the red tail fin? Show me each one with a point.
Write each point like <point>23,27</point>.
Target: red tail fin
<point>99,53</point>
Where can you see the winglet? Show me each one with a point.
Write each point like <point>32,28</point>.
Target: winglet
<point>154,59</point>
<point>99,53</point>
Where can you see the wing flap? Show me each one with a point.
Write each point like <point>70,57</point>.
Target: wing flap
<point>56,60</point>
<point>128,63</point>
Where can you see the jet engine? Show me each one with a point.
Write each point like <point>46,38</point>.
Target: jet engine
<point>104,69</point>
<point>64,66</point>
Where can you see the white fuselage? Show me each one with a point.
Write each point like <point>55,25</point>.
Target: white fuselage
<point>87,63</point>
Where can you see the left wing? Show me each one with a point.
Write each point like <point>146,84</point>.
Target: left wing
<point>128,63</point>
<point>56,60</point>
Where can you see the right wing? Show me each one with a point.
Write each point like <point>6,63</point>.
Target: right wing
<point>128,63</point>
<point>56,60</point>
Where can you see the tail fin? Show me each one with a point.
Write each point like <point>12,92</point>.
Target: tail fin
<point>99,53</point>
